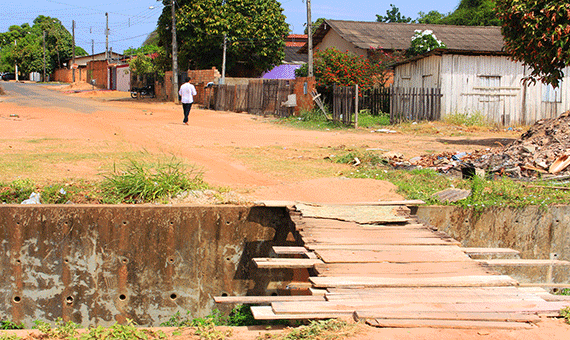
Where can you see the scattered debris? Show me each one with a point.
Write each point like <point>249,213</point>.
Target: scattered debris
<point>385,131</point>
<point>543,150</point>
<point>34,199</point>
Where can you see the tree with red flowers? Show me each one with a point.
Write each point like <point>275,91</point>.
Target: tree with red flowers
<point>345,69</point>
<point>537,33</point>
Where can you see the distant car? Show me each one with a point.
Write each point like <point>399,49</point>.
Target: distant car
<point>8,76</point>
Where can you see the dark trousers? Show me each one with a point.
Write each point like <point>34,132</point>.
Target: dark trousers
<point>186,108</point>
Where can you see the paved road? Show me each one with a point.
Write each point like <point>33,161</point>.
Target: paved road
<point>39,95</point>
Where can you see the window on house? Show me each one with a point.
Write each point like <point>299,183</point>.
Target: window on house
<point>489,81</point>
<point>550,94</point>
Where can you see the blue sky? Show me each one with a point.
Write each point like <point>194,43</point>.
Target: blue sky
<point>130,21</point>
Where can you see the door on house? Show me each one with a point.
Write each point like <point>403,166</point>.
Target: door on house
<point>491,104</point>
<point>113,78</point>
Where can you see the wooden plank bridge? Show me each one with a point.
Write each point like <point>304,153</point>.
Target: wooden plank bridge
<point>375,262</point>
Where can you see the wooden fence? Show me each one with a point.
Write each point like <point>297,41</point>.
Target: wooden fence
<point>414,104</point>
<point>260,97</point>
<point>343,104</point>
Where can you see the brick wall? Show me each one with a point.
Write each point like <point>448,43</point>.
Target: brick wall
<point>66,76</point>
<point>199,78</point>
<point>97,70</point>
<point>304,98</point>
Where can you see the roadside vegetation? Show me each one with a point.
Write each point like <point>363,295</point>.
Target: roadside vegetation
<point>133,181</point>
<point>215,326</point>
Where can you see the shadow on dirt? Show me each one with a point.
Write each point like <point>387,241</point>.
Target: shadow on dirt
<point>488,142</point>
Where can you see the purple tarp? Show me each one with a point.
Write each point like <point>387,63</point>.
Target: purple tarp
<point>281,72</point>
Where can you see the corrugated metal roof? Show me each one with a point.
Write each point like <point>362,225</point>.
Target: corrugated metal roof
<point>397,36</point>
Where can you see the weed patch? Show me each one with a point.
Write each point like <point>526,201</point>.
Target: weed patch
<point>62,329</point>
<point>317,330</point>
<point>565,313</point>
<point>140,182</point>
<point>5,324</point>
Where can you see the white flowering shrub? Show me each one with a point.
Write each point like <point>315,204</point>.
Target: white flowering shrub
<point>424,41</point>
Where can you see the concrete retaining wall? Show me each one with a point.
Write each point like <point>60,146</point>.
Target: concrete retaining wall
<point>102,264</point>
<point>534,231</point>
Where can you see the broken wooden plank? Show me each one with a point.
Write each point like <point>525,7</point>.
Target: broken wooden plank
<point>490,251</point>
<point>453,324</point>
<point>273,263</point>
<point>454,281</point>
<point>266,313</point>
<point>524,262</point>
<point>256,300</point>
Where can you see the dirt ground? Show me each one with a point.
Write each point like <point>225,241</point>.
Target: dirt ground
<point>249,155</point>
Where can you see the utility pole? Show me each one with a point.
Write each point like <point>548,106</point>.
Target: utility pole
<point>310,38</point>
<point>91,63</point>
<point>174,55</point>
<point>44,37</point>
<point>16,63</point>
<point>73,47</point>
<point>223,80</point>
<point>107,36</point>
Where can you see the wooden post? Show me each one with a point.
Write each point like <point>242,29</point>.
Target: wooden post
<point>356,107</point>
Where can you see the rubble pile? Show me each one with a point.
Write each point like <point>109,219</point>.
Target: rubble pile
<point>543,150</point>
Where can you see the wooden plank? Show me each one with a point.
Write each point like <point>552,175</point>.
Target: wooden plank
<point>367,234</point>
<point>459,281</point>
<point>275,204</point>
<point>383,247</point>
<point>465,295</point>
<point>384,203</point>
<point>266,313</point>
<point>472,316</point>
<point>453,324</point>
<point>524,262</point>
<point>290,250</point>
<point>490,251</point>
<point>272,263</point>
<point>486,291</point>
<point>380,308</point>
<point>364,214</point>
<point>311,242</point>
<point>318,291</point>
<point>266,299</point>
<point>391,256</point>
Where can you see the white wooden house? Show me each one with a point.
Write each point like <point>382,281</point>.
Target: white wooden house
<point>486,83</point>
<point>472,74</point>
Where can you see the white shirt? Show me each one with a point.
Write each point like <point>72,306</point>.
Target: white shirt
<point>187,92</point>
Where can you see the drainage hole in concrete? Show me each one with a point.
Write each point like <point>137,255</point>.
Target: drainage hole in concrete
<point>124,222</point>
<point>173,296</point>
<point>171,260</point>
<point>66,261</point>
<point>69,300</point>
<point>122,297</point>
<point>18,261</point>
<point>125,261</point>
<point>228,222</point>
<point>273,294</point>
<point>227,258</point>
<point>224,294</point>
<point>17,299</point>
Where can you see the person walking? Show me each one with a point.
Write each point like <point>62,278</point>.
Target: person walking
<point>187,92</point>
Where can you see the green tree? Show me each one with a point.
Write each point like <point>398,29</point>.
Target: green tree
<point>315,25</point>
<point>255,31</point>
<point>473,13</point>
<point>24,45</point>
<point>537,33</point>
<point>393,15</point>
<point>432,17</point>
